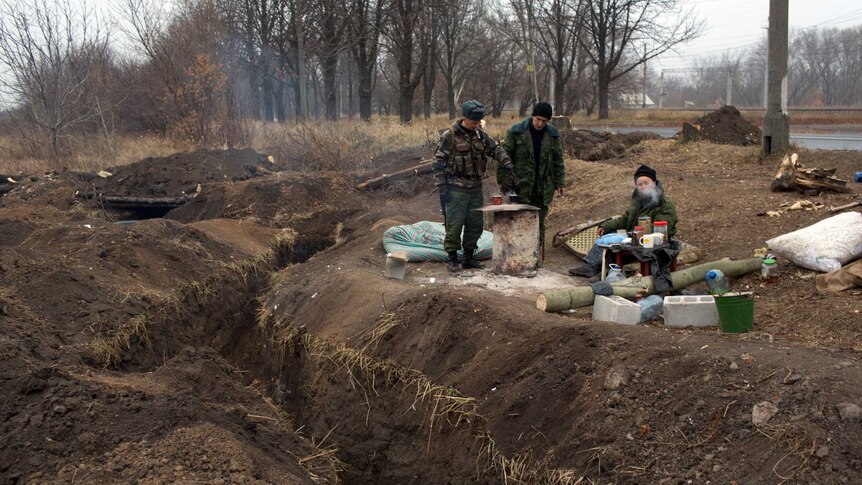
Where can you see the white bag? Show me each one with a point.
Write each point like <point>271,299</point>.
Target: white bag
<point>824,246</point>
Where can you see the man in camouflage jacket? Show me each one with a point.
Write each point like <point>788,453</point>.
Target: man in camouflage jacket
<point>537,157</point>
<point>459,165</point>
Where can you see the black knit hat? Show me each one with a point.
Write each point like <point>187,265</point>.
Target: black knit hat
<point>543,109</point>
<point>473,110</point>
<point>645,171</point>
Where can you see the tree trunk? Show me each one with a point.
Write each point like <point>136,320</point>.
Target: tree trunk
<point>604,84</point>
<point>579,296</point>
<point>330,87</point>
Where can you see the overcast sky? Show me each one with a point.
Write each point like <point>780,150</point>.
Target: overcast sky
<point>736,24</point>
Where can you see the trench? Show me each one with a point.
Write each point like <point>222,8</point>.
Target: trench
<point>388,424</point>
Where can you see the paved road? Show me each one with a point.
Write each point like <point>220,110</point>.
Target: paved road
<point>812,141</point>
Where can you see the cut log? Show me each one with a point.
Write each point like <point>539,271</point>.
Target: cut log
<point>635,287</point>
<point>792,175</point>
<point>422,168</point>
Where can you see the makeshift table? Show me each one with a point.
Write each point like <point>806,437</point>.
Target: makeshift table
<point>621,250</point>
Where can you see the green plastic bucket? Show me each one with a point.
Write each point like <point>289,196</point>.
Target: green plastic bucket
<point>735,312</point>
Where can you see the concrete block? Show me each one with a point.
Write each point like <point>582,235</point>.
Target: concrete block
<point>690,311</point>
<point>616,309</point>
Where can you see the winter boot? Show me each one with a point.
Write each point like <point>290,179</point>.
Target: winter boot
<point>470,261</point>
<point>453,262</point>
<point>585,270</point>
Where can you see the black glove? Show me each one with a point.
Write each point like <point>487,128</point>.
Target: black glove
<point>510,183</point>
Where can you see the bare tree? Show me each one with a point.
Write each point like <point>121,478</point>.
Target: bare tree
<point>366,22</point>
<point>558,41</point>
<point>48,52</point>
<point>332,18</point>
<point>457,20</point>
<point>616,27</point>
<point>408,35</point>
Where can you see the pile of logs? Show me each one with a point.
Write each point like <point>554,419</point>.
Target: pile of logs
<point>792,175</point>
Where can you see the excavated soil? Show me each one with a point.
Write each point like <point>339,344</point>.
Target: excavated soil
<point>250,337</point>
<point>601,145</point>
<point>725,126</point>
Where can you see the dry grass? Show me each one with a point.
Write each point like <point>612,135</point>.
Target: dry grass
<point>445,407</point>
<point>89,157</point>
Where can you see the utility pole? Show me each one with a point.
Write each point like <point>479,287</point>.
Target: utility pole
<point>661,90</point>
<point>776,122</point>
<point>728,99</point>
<point>643,105</point>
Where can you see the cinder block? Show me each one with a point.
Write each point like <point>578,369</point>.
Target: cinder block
<point>616,309</point>
<point>690,311</point>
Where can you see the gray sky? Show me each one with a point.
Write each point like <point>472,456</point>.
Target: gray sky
<point>733,25</point>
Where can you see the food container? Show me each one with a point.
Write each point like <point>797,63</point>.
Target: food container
<point>646,223</point>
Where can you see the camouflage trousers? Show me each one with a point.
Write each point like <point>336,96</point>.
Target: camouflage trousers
<point>460,215</point>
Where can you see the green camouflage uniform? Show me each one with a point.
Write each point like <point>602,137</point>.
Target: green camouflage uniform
<point>459,164</point>
<point>537,188</point>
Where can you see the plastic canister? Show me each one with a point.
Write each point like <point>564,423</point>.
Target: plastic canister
<point>615,274</point>
<point>661,227</point>
<point>858,177</point>
<point>646,223</point>
<point>637,233</point>
<point>716,282</point>
<point>769,270</point>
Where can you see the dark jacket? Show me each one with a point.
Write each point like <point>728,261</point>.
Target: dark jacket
<point>551,172</point>
<point>665,211</point>
<point>459,160</point>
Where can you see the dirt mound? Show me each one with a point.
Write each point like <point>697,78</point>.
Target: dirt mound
<point>181,173</point>
<point>725,126</point>
<point>601,145</point>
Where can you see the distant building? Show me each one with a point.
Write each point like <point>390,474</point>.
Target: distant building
<point>630,101</point>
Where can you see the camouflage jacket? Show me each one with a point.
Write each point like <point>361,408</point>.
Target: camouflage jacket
<point>460,158</point>
<point>551,173</point>
<point>666,211</point>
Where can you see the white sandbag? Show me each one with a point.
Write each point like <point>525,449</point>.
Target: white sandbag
<point>824,246</point>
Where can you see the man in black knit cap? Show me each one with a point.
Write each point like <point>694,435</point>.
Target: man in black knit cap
<point>537,158</point>
<point>648,199</point>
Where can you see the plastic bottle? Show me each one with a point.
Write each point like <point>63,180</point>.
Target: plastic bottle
<point>615,274</point>
<point>660,227</point>
<point>769,270</point>
<point>650,307</point>
<point>716,282</point>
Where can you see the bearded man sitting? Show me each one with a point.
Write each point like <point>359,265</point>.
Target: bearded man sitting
<point>648,199</point>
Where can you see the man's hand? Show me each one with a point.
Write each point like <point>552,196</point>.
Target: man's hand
<point>600,231</point>
<point>510,182</point>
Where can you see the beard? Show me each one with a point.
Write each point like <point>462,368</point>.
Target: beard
<point>649,197</point>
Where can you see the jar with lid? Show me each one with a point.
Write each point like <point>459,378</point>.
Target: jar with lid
<point>637,233</point>
<point>646,223</point>
<point>660,227</point>
<point>769,270</point>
